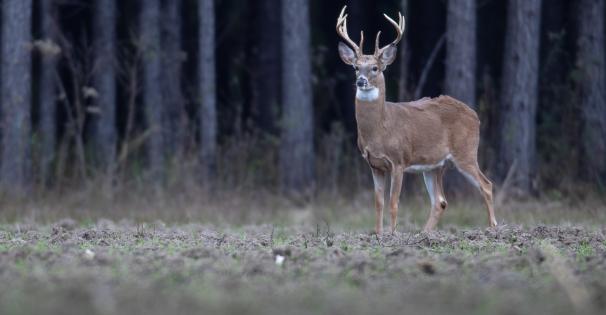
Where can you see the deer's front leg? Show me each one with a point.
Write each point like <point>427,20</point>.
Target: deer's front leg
<point>378,178</point>
<point>397,175</point>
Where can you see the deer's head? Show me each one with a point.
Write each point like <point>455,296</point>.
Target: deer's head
<point>369,68</point>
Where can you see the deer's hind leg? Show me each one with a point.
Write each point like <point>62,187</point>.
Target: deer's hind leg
<point>471,170</point>
<point>433,183</point>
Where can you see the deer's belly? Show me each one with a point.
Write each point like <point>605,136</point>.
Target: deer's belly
<point>420,168</point>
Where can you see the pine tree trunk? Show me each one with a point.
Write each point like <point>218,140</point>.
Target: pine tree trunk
<point>460,81</point>
<point>15,171</point>
<point>519,92</point>
<point>590,62</point>
<point>103,121</point>
<point>175,120</point>
<point>152,92</point>
<point>47,97</point>
<point>296,151</point>
<point>403,88</point>
<point>207,89</point>
<point>265,72</point>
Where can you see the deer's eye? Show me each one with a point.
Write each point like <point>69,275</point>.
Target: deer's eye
<point>375,69</point>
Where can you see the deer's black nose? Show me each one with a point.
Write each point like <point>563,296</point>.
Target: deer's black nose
<point>361,82</point>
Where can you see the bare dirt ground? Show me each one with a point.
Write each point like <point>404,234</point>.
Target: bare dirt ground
<point>110,267</point>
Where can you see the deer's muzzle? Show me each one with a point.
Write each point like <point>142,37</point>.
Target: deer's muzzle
<point>361,82</point>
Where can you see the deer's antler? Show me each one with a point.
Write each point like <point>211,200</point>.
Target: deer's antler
<point>399,29</point>
<point>342,31</point>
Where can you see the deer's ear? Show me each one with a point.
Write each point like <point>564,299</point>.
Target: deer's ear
<point>347,54</point>
<point>388,55</point>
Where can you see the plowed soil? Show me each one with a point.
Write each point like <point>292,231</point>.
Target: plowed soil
<point>127,268</point>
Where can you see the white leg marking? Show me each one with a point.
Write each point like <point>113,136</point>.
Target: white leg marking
<point>378,181</point>
<point>429,184</point>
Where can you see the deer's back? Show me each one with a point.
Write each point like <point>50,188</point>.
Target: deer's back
<point>445,111</point>
<point>435,127</point>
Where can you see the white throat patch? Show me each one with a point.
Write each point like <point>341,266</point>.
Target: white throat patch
<point>367,95</point>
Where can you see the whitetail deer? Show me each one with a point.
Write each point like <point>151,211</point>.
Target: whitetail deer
<point>417,136</point>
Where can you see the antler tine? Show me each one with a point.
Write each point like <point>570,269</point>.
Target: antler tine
<point>361,46</point>
<point>342,31</point>
<point>377,42</point>
<point>400,25</point>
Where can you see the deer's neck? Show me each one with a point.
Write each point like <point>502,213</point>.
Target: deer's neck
<point>370,111</point>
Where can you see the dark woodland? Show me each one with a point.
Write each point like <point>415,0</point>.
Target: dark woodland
<point>204,157</point>
<point>252,94</point>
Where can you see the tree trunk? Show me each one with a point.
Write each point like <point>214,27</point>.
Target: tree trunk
<point>47,97</point>
<point>590,62</point>
<point>296,151</point>
<point>207,89</point>
<point>103,121</point>
<point>265,72</point>
<point>403,88</point>
<point>152,92</point>
<point>460,77</point>
<point>460,81</point>
<point>175,120</point>
<point>519,92</point>
<point>16,96</point>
